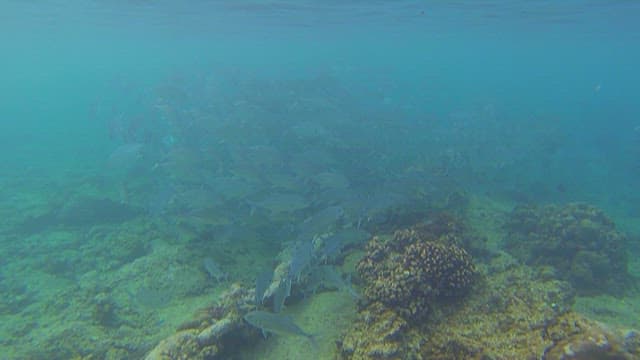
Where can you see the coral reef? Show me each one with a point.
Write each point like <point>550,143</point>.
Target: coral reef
<point>517,313</point>
<point>585,339</point>
<point>378,333</point>
<point>415,268</point>
<point>411,279</point>
<point>579,241</point>
<point>213,332</point>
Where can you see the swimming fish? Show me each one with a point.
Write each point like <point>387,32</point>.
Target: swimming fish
<point>330,277</point>
<point>214,271</point>
<point>277,324</point>
<point>281,294</point>
<point>301,256</point>
<point>262,284</point>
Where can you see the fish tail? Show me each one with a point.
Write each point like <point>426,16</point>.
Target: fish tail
<point>314,343</point>
<point>313,339</point>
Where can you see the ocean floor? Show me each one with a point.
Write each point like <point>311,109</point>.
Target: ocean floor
<point>487,216</point>
<point>111,290</point>
<point>115,290</point>
<point>616,311</point>
<point>326,316</point>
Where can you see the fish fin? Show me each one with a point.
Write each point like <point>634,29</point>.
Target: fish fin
<point>288,288</point>
<point>354,293</point>
<point>252,207</point>
<point>313,339</point>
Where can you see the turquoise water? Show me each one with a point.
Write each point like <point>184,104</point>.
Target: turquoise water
<point>139,138</point>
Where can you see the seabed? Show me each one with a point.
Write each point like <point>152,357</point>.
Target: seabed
<point>122,305</point>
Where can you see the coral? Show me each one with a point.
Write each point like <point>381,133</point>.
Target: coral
<point>415,268</point>
<point>585,339</point>
<point>104,312</point>
<point>378,333</point>
<point>510,317</point>
<point>515,314</point>
<point>578,240</point>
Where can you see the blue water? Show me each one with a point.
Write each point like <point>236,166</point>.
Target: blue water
<point>518,101</point>
<point>571,66</point>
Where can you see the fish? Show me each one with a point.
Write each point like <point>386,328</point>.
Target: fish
<point>301,256</point>
<point>280,203</point>
<point>281,294</point>
<point>233,188</point>
<point>331,247</point>
<point>277,324</point>
<point>330,277</point>
<point>262,284</point>
<point>333,244</point>
<point>353,236</point>
<point>125,156</point>
<point>90,211</point>
<point>214,271</point>
<point>322,221</point>
<point>198,201</point>
<point>375,208</point>
<point>308,130</point>
<point>162,196</point>
<point>331,180</point>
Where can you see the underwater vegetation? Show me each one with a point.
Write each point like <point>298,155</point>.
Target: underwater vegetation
<point>578,241</point>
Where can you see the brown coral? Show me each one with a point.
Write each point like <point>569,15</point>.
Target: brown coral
<point>379,333</point>
<point>578,240</point>
<point>514,315</point>
<point>408,273</point>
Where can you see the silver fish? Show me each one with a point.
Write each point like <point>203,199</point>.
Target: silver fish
<point>125,156</point>
<point>262,284</point>
<point>277,324</point>
<point>322,221</point>
<point>330,277</point>
<point>301,256</point>
<point>280,203</point>
<point>281,294</point>
<point>333,245</point>
<point>214,271</point>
